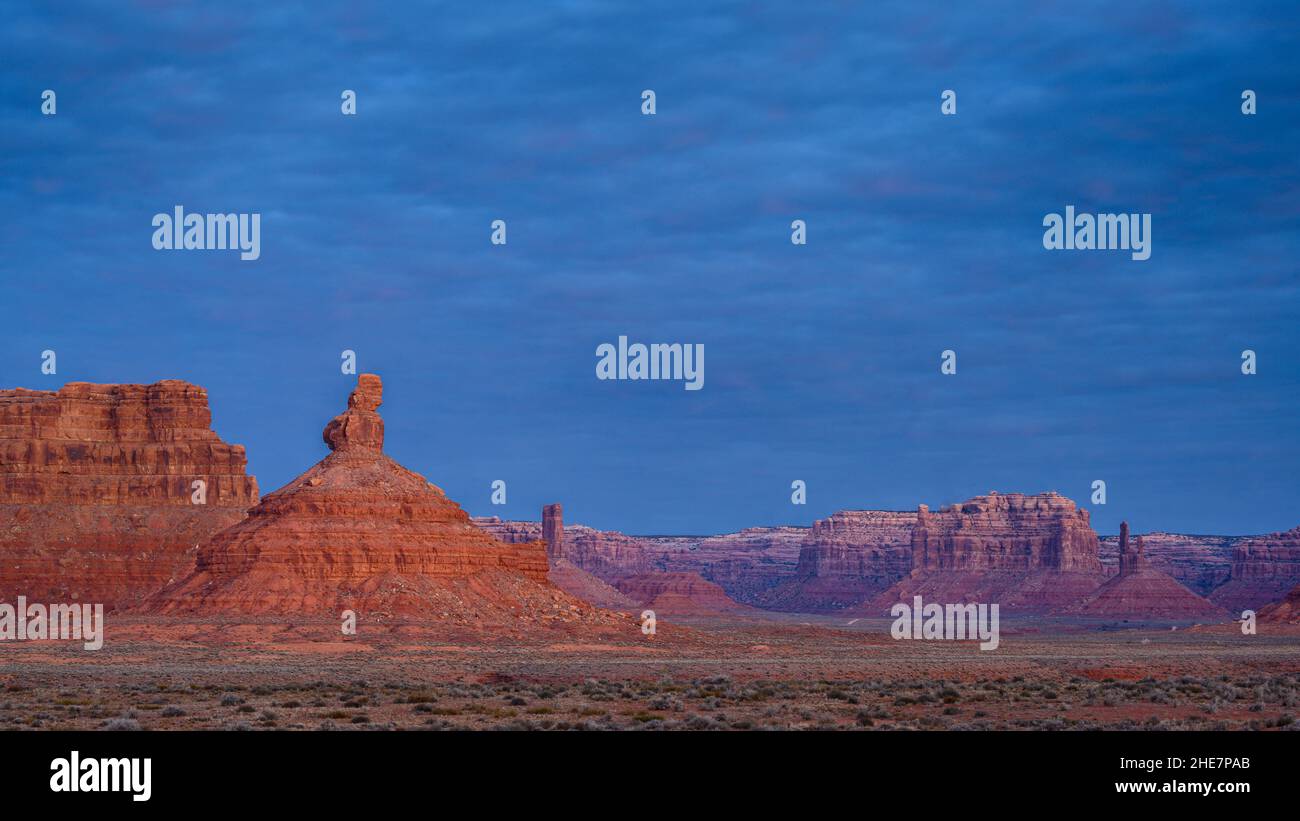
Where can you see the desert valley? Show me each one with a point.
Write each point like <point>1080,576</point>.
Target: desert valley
<point>230,609</point>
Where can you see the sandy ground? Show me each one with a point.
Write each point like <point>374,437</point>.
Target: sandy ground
<point>784,673</point>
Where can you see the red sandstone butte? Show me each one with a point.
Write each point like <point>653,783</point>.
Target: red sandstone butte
<point>1030,554</point>
<point>97,489</point>
<point>1264,569</point>
<point>1141,592</point>
<point>359,531</point>
<point>679,594</point>
<point>1198,562</point>
<point>845,559</point>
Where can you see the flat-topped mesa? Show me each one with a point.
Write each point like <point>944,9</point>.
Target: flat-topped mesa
<point>359,426</point>
<point>117,444</point>
<point>106,489</point>
<point>1006,532</point>
<point>1028,553</point>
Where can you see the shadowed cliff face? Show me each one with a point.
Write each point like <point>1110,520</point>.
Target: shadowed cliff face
<point>98,493</point>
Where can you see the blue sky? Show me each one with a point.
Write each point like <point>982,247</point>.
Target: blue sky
<point>822,361</point>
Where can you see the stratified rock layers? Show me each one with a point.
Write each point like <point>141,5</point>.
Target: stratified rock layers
<point>846,559</point>
<point>97,489</point>
<point>359,531</point>
<point>1200,563</point>
<point>1025,553</point>
<point>1264,569</point>
<point>1141,592</point>
<point>678,594</point>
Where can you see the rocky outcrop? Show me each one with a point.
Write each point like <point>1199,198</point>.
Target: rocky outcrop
<point>509,530</point>
<point>607,554</point>
<point>1006,532</point>
<point>844,560</point>
<point>1264,569</point>
<point>359,531</point>
<point>1026,553</point>
<point>105,490</point>
<point>678,594</point>
<point>553,530</point>
<point>1200,563</point>
<point>562,573</point>
<point>579,583</point>
<point>1142,593</point>
<point>1286,611</point>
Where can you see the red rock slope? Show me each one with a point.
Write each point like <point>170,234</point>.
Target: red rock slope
<point>359,531</point>
<point>1141,592</point>
<point>679,594</point>
<point>96,489</point>
<point>1286,611</point>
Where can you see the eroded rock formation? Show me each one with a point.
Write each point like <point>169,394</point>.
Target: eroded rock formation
<point>845,559</point>
<point>746,564</point>
<point>1026,553</point>
<point>553,530</point>
<point>98,489</point>
<point>359,531</point>
<point>1140,592</point>
<point>678,594</point>
<point>1200,563</point>
<point>1264,569</point>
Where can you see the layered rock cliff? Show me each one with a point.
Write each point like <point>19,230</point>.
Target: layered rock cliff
<point>844,560</point>
<point>1026,553</point>
<point>1264,569</point>
<point>105,490</point>
<point>359,531</point>
<point>745,564</point>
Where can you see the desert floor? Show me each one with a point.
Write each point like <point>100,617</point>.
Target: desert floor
<point>796,672</point>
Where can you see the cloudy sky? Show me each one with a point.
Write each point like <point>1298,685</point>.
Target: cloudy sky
<point>822,361</point>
